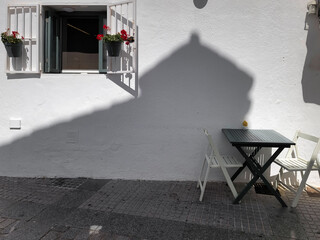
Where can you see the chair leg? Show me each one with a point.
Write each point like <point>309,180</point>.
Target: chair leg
<point>204,183</point>
<point>229,182</point>
<point>301,187</point>
<point>278,178</point>
<point>199,180</point>
<point>305,186</point>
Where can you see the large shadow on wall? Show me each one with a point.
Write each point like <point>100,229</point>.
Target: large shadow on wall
<point>311,71</point>
<point>155,136</point>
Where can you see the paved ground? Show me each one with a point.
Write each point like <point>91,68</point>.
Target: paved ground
<point>33,208</point>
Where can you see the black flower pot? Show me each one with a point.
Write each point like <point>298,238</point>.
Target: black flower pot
<point>14,50</point>
<point>113,48</point>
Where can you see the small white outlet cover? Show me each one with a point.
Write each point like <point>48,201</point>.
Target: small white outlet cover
<point>15,123</point>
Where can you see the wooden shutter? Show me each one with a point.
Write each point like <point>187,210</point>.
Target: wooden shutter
<point>25,20</point>
<point>120,16</point>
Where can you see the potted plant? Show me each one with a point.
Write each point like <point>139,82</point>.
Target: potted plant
<point>12,43</point>
<point>114,41</point>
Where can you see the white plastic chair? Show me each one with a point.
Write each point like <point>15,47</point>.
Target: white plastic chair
<point>213,159</point>
<point>293,162</point>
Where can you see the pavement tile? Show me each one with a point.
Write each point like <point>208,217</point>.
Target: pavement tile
<point>103,201</point>
<point>51,235</point>
<point>14,192</point>
<point>71,233</point>
<point>4,203</point>
<point>285,224</point>
<point>200,232</point>
<point>71,183</point>
<point>74,199</point>
<point>65,208</point>
<point>122,224</point>
<point>236,235</point>
<point>83,235</point>
<point>6,222</point>
<point>22,210</point>
<point>120,238</point>
<point>46,194</point>
<point>10,227</point>
<point>28,231</point>
<point>59,228</point>
<point>85,218</point>
<point>153,228</point>
<point>93,184</point>
<point>53,215</point>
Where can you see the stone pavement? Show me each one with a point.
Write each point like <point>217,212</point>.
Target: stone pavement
<point>81,208</point>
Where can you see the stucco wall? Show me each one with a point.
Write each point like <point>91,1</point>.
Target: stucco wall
<point>211,67</point>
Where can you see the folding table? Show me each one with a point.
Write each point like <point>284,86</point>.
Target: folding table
<point>257,139</point>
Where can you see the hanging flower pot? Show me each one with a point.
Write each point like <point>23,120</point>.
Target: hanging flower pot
<point>14,50</point>
<point>114,48</point>
<point>114,41</point>
<point>12,42</point>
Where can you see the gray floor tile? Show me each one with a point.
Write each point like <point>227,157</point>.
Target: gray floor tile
<point>71,233</point>
<point>51,235</point>
<point>4,203</point>
<point>93,184</point>
<point>53,215</point>
<point>74,199</point>
<point>80,208</point>
<point>28,230</point>
<point>85,218</point>
<point>22,210</point>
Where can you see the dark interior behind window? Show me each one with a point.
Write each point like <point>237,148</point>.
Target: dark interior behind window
<point>79,43</point>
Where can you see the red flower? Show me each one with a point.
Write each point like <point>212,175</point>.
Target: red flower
<point>106,27</point>
<point>127,42</point>
<point>124,34</point>
<point>99,36</point>
<point>14,33</point>
<point>22,38</point>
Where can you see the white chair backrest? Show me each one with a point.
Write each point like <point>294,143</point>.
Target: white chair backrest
<point>294,149</point>
<point>214,152</point>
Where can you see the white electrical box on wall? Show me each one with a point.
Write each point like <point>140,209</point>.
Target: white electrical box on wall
<point>15,123</point>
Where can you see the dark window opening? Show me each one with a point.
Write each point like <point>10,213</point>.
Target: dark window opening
<point>70,41</point>
<point>79,44</point>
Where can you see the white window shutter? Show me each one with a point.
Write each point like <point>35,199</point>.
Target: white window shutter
<point>25,20</point>
<point>120,16</point>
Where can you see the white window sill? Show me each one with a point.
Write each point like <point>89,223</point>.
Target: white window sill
<point>81,71</point>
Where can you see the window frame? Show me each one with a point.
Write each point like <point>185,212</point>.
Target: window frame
<point>40,36</point>
<point>58,56</point>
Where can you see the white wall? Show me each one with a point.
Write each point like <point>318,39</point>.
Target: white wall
<point>211,67</point>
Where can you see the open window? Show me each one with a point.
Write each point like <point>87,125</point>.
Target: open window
<point>70,43</point>
<point>68,38</point>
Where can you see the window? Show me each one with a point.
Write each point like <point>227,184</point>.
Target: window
<point>67,37</point>
<point>80,48</point>
<point>70,43</point>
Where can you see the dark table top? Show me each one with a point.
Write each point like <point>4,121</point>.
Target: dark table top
<point>256,137</point>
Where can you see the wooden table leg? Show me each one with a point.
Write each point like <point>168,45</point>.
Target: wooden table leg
<point>258,173</point>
